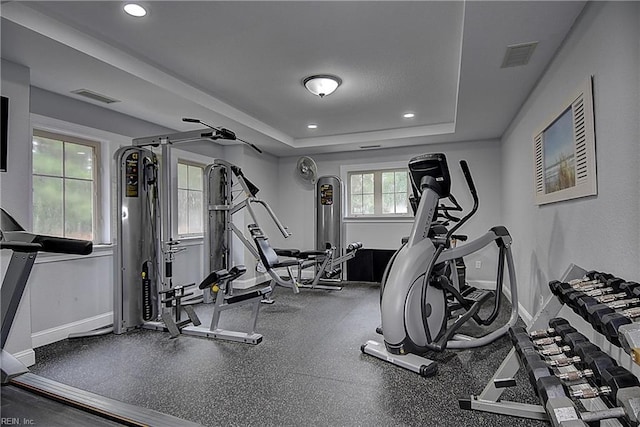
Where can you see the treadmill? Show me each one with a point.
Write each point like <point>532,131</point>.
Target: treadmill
<point>28,398</point>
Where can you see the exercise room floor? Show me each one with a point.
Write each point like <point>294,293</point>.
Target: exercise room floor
<point>308,371</point>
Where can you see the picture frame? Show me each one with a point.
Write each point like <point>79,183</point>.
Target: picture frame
<point>565,151</point>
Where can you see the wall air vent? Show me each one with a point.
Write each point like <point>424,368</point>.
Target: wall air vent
<point>518,54</point>
<point>94,96</point>
<point>369,147</point>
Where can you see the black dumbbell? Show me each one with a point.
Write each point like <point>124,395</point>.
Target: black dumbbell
<point>582,348</point>
<point>535,368</point>
<point>573,338</point>
<point>585,302</point>
<point>617,377</point>
<point>575,375</point>
<point>625,391</point>
<point>590,392</point>
<point>610,323</point>
<point>631,288</point>
<point>571,298</point>
<point>567,293</point>
<point>553,323</point>
<point>595,313</point>
<point>598,361</point>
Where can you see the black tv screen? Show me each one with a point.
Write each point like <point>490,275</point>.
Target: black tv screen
<point>4,113</point>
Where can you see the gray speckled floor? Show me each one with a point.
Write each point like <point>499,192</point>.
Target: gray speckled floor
<point>308,370</point>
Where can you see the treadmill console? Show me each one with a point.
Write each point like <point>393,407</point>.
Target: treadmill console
<point>433,165</point>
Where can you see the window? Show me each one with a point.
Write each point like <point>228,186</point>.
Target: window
<point>190,195</point>
<point>378,193</point>
<point>65,189</point>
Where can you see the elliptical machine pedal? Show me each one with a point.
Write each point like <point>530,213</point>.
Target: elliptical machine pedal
<point>479,295</point>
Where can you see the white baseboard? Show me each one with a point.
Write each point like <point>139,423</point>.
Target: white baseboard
<point>26,357</point>
<point>59,333</point>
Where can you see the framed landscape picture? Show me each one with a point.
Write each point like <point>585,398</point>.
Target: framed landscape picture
<point>565,156</point>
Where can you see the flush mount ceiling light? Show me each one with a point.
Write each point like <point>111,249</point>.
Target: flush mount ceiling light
<point>322,84</point>
<point>135,9</point>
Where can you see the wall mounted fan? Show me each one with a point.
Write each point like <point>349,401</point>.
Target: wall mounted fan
<point>307,169</point>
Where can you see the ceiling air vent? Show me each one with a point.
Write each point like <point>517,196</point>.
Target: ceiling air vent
<point>518,54</point>
<point>95,96</point>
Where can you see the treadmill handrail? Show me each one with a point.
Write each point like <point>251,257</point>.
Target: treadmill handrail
<point>60,245</point>
<point>21,246</point>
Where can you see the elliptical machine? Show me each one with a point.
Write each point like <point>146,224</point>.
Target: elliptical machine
<point>420,293</point>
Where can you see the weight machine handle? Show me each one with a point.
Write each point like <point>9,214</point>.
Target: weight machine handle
<point>285,232</point>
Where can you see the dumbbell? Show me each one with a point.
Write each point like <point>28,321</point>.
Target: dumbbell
<point>571,297</point>
<point>631,288</point>
<point>610,323</point>
<point>586,355</point>
<point>608,292</point>
<point>589,279</point>
<point>592,275</point>
<point>585,302</point>
<point>595,313</point>
<point>554,323</point>
<point>561,409</point>
<point>596,360</point>
<point>575,375</point>
<point>624,290</point>
<point>558,287</point>
<point>625,391</point>
<point>564,291</point>
<point>590,392</point>
<point>529,355</point>
<point>569,294</point>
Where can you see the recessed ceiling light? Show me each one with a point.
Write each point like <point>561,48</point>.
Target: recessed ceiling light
<point>408,115</point>
<point>135,9</point>
<point>312,126</point>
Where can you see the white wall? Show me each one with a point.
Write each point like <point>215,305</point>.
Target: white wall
<point>15,189</point>
<point>297,199</point>
<point>601,232</point>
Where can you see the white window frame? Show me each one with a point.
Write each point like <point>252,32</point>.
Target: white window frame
<point>96,231</point>
<point>347,170</point>
<point>187,162</point>
<point>109,142</point>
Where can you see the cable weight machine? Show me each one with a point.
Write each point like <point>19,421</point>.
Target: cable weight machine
<point>145,295</point>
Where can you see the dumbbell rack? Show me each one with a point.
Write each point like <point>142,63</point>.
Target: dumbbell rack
<point>489,399</point>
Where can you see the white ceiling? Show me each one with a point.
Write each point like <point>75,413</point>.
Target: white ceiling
<point>240,64</point>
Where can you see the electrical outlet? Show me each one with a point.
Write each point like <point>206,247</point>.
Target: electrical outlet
<point>478,264</point>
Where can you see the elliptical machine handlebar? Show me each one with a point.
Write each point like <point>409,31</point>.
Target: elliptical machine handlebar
<point>467,176</point>
<point>474,193</point>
